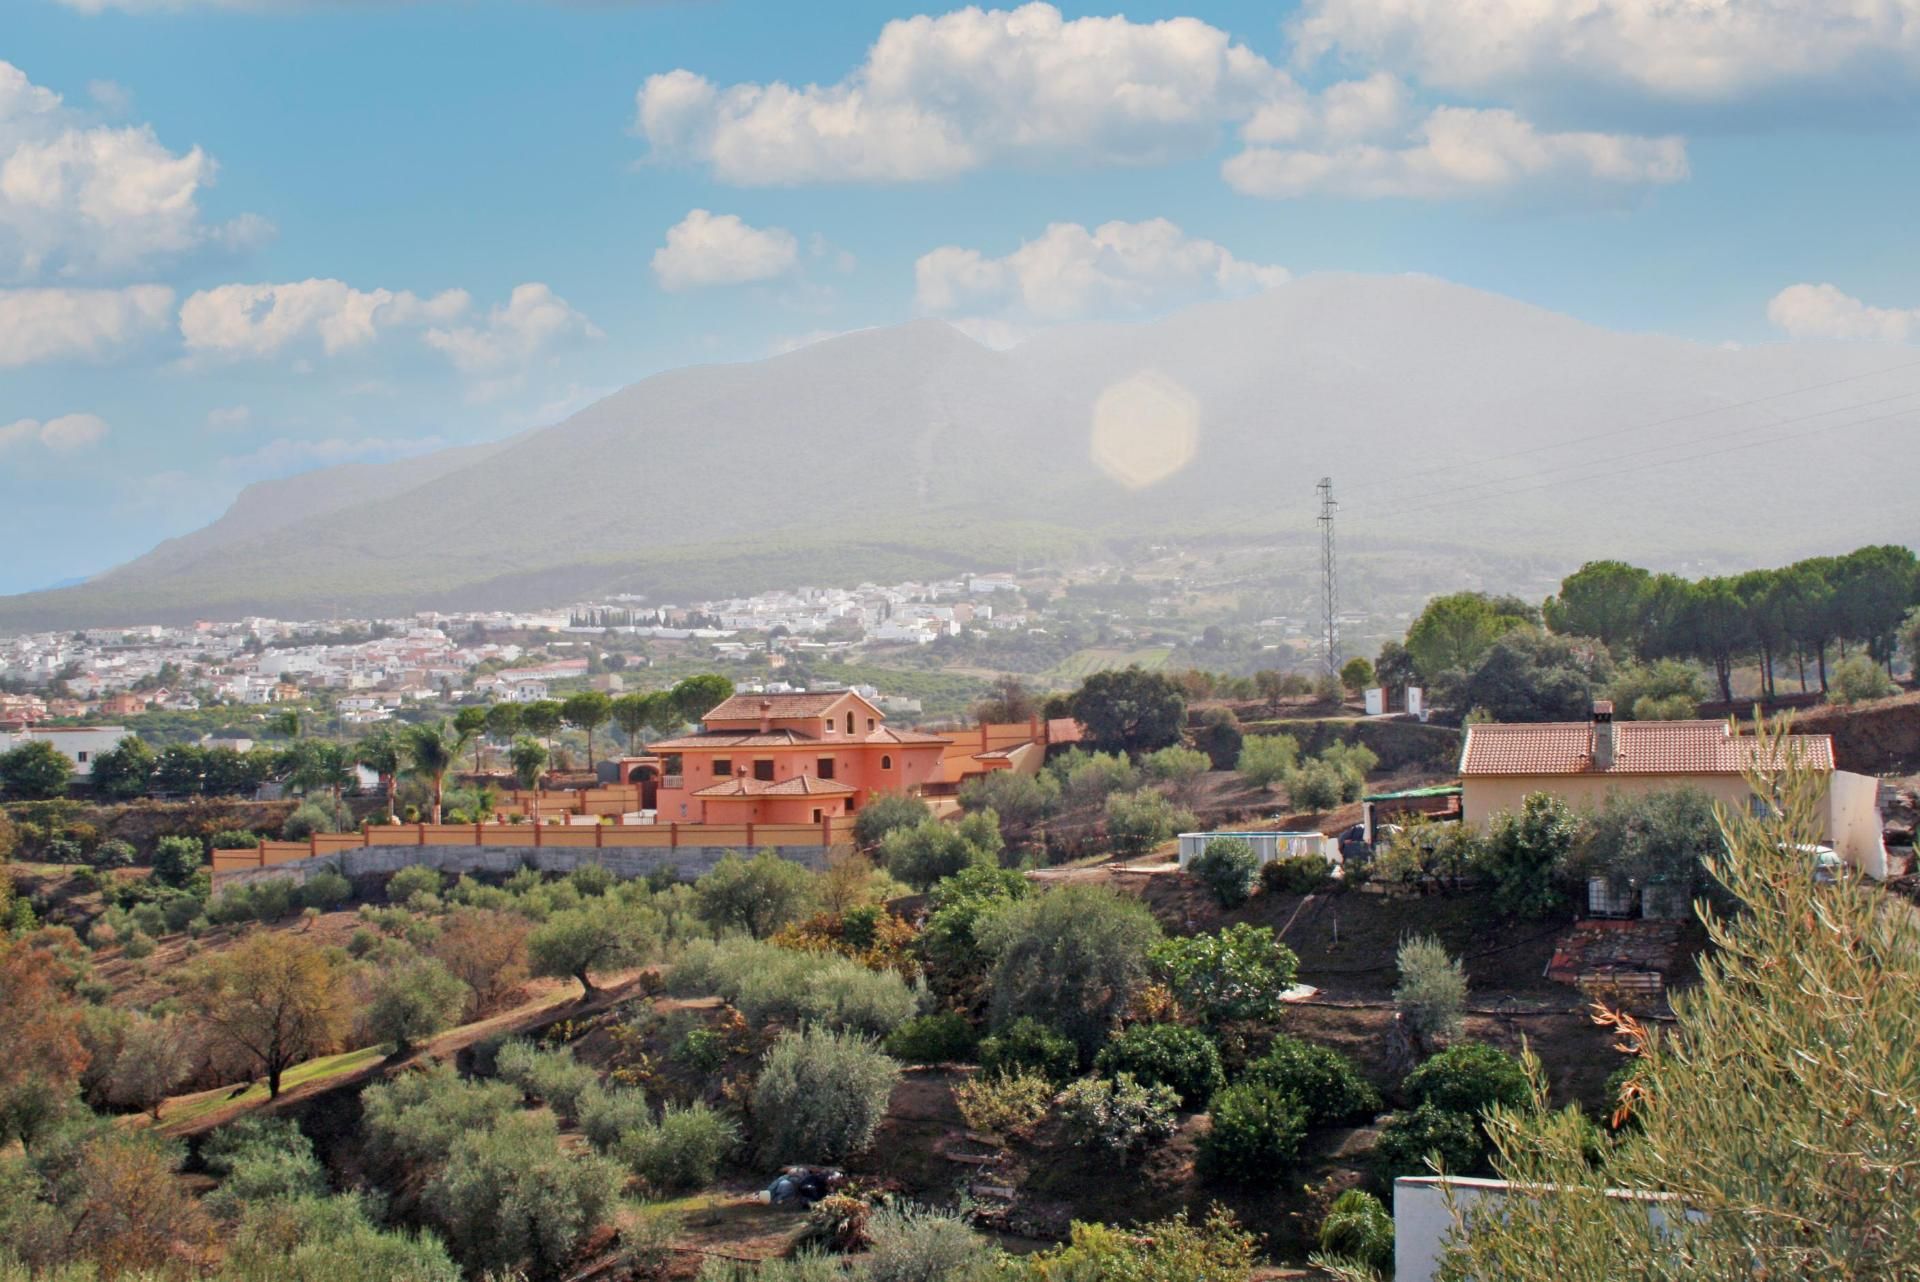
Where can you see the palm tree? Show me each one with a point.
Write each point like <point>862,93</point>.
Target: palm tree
<point>529,758</point>
<point>430,754</point>
<point>329,766</point>
<point>383,753</point>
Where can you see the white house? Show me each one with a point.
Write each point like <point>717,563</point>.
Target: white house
<point>78,744</point>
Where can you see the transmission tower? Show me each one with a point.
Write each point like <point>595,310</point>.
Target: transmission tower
<point>1329,581</point>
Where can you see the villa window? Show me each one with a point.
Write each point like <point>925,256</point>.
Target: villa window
<point>825,768</point>
<point>830,726</point>
<point>763,769</point>
<point>886,763</point>
<point>722,768</point>
<point>872,725</point>
<point>849,723</point>
<point>816,814</point>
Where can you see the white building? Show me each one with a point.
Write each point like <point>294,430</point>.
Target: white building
<point>78,744</point>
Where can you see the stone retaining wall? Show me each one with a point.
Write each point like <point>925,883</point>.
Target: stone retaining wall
<point>374,861</point>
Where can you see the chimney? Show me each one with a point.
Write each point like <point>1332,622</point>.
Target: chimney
<point>766,716</point>
<point>1602,734</point>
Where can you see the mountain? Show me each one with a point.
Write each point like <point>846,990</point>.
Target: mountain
<point>1447,416</point>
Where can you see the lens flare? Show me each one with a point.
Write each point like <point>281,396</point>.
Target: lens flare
<point>1146,427</point>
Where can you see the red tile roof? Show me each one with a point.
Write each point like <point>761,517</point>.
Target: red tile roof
<point>779,738</point>
<point>1640,748</point>
<point>798,786</point>
<point>887,734</point>
<point>798,703</point>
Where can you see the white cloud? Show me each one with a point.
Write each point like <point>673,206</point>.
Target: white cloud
<point>1824,311</point>
<point>1458,152</point>
<point>534,320</point>
<point>80,200</point>
<point>229,418</point>
<point>57,324</point>
<point>284,456</point>
<point>62,435</point>
<point>939,96</point>
<point>1677,50</point>
<point>263,320</point>
<point>719,249</point>
<point>1070,272</point>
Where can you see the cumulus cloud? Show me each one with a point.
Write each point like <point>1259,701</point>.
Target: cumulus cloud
<point>57,324</point>
<point>1457,152</point>
<point>1825,311</point>
<point>939,96</point>
<point>80,200</point>
<point>720,249</point>
<point>1676,50</point>
<point>1069,272</point>
<point>533,321</point>
<point>229,418</point>
<point>63,435</point>
<point>263,320</point>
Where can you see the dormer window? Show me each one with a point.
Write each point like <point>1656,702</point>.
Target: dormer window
<point>849,723</point>
<point>831,728</point>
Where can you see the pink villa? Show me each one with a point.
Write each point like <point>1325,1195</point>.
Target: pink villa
<point>783,759</point>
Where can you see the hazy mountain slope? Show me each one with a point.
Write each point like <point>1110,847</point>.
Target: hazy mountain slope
<point>1443,413</point>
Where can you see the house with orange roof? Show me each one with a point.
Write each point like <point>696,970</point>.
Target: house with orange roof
<point>1585,762</point>
<point>798,757</point>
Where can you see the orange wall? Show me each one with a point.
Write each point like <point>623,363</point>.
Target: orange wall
<point>858,765</point>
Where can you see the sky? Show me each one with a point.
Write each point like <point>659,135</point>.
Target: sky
<point>241,239</point>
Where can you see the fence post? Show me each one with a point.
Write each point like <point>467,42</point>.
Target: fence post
<point>366,833</point>
<point>313,843</point>
<point>536,830</point>
<point>749,834</point>
<point>673,835</point>
<point>420,833</point>
<point>826,828</point>
<point>479,832</point>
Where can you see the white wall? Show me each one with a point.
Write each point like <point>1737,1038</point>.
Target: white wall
<point>80,745</point>
<point>1854,819</point>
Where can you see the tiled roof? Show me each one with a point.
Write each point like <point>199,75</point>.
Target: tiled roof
<point>798,786</point>
<point>737,739</point>
<point>746,707</point>
<point>1640,748</point>
<point>887,734</point>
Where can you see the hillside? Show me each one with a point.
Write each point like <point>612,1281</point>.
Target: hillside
<point>912,450</point>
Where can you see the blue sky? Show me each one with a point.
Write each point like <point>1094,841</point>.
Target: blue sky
<point>240,238</point>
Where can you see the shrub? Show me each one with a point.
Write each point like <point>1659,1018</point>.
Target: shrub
<point>1454,1140</point>
<point>1359,1229</point>
<point>1528,852</point>
<point>1139,821</point>
<point>414,880</point>
<point>513,1196</point>
<point>820,1096</point>
<point>768,983</point>
<point>262,901</point>
<point>1171,1055</point>
<point>1003,1103</point>
<point>259,1159</point>
<point>415,1118</point>
<point>1175,765</point>
<point>1295,875</point>
<point>605,1114</point>
<point>1266,759</point>
<point>1255,1131</point>
<point>175,860</point>
<point>935,850</point>
<point>591,879</point>
<point>553,1076</point>
<point>1226,867</point>
<point>885,813</point>
<point>683,1150</point>
<point>234,839</point>
<point>111,853</point>
<point>758,895</point>
<point>1074,958</point>
<point>1020,800</point>
<point>412,1002</point>
<point>1432,993</point>
<point>913,1245</point>
<point>1857,679</point>
<point>1165,1251</point>
<point>1469,1078</point>
<point>1027,1045</point>
<point>324,890</point>
<point>849,996</point>
<point>1119,1114</point>
<point>943,1037</point>
<point>807,1266</point>
<point>1321,1078</point>
<point>1087,779</point>
<point>139,946</point>
<point>313,815</point>
<point>703,1050</point>
<point>1239,973</point>
<point>1219,736</point>
<point>1315,787</point>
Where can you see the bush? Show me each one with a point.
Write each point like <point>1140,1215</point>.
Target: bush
<point>1219,736</point>
<point>1139,821</point>
<point>911,1245</point>
<point>315,814</point>
<point>1003,1103</point>
<point>1021,800</point>
<point>176,860</point>
<point>1088,779</point>
<point>1074,958</point>
<point>769,983</point>
<point>820,1096</point>
<point>1527,853</point>
<point>1239,973</point>
<point>1255,1131</point>
<point>1165,1251</point>
<point>936,850</point>
<point>1183,1059</point>
<point>1119,1115</point>
<point>1359,1229</point>
<point>138,946</point>
<point>885,813</point>
<point>259,1159</point>
<point>411,881</point>
<point>1432,993</point>
<point>1295,875</point>
<point>1324,1080</point>
<point>607,1114</point>
<point>1028,1046</point>
<point>261,901</point>
<point>1469,1078</point>
<point>854,998</point>
<point>111,853</point>
<point>944,1037</point>
<point>415,1118</point>
<point>234,839</point>
<point>513,1196</point>
<point>683,1150</point>
<point>1454,1140</point>
<point>411,1002</point>
<point>1857,679</point>
<point>758,895</point>
<point>1266,759</point>
<point>1175,765</point>
<point>1226,867</point>
<point>591,879</point>
<point>323,890</point>
<point>553,1077</point>
<point>1315,787</point>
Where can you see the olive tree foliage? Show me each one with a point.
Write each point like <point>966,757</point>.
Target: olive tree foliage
<point>820,1095</point>
<point>1130,710</point>
<point>1432,993</point>
<point>602,934</point>
<point>757,895</point>
<point>885,813</point>
<point>1637,838</point>
<point>1073,958</point>
<point>1778,1107</point>
<point>934,850</point>
<point>1136,822</point>
<point>412,1001</point>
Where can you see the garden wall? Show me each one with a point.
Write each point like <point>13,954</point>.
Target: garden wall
<point>375,861</point>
